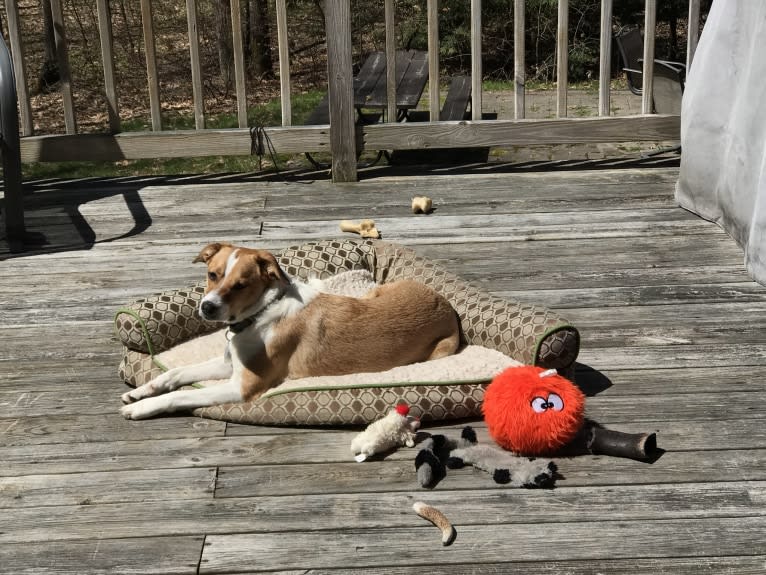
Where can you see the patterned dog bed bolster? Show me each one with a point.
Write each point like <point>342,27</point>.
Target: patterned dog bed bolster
<point>527,333</point>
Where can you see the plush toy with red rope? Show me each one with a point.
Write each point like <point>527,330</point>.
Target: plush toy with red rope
<point>397,428</point>
<point>533,411</point>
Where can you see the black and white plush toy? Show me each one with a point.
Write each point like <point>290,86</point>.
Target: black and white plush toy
<point>429,460</point>
<point>439,453</point>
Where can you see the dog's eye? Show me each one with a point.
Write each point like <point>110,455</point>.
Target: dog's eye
<point>212,276</point>
<point>238,286</point>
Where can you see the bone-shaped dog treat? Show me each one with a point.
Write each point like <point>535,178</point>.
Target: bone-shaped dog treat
<point>421,205</point>
<point>365,228</point>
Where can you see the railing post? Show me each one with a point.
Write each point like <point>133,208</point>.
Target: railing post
<point>519,60</point>
<point>605,61</point>
<point>239,63</point>
<point>196,68</point>
<point>433,60</point>
<point>107,57</point>
<point>650,23</point>
<point>152,79</point>
<point>562,58</point>
<point>693,32</point>
<point>340,85</point>
<point>284,63</point>
<point>476,69</point>
<point>389,10</point>
<point>62,55</point>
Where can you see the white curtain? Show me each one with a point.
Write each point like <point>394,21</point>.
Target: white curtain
<point>723,128</point>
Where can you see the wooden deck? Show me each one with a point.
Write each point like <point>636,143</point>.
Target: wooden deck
<point>673,342</point>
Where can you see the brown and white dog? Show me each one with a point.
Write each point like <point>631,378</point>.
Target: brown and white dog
<point>282,328</point>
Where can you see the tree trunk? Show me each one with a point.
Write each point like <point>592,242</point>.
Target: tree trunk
<point>673,36</point>
<point>222,14</point>
<point>259,38</point>
<point>49,72</point>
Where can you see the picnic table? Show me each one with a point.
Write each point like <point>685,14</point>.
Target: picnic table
<point>370,94</point>
<point>411,79</point>
<point>370,87</point>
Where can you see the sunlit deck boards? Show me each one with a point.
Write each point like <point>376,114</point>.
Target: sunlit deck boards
<point>673,342</point>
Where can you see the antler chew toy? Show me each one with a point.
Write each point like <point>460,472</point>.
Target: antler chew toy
<point>365,228</point>
<point>639,446</point>
<point>438,518</point>
<point>421,205</point>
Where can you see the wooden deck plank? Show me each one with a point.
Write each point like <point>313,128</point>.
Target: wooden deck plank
<point>73,489</point>
<point>500,227</point>
<point>497,508</point>
<point>333,446</point>
<point>629,261</point>
<point>739,565</point>
<point>476,544</point>
<point>676,467</point>
<point>158,555</point>
<point>105,401</point>
<point>62,429</point>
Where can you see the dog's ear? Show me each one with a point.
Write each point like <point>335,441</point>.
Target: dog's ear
<point>209,251</point>
<point>270,267</point>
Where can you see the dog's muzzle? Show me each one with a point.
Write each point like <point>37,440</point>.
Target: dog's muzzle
<point>209,310</point>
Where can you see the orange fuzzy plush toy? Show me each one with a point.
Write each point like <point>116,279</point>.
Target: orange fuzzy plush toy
<point>533,411</point>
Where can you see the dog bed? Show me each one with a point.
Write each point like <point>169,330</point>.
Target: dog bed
<point>498,333</point>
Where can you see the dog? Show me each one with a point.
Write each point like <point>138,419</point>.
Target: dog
<point>281,328</point>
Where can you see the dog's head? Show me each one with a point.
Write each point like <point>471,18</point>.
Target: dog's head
<point>237,280</point>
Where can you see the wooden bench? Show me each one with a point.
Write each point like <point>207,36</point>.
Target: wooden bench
<point>456,105</point>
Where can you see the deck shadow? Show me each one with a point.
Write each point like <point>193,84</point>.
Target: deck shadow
<point>591,381</point>
<point>54,222</point>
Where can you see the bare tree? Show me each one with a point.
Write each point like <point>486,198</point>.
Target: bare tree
<point>258,38</point>
<point>222,16</point>
<point>49,72</point>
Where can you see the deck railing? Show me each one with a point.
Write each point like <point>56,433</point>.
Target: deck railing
<point>342,137</point>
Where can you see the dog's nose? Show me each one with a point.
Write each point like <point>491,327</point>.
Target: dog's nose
<point>208,308</point>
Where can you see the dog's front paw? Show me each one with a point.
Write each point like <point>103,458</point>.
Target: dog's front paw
<point>127,411</point>
<point>146,390</point>
<point>141,409</point>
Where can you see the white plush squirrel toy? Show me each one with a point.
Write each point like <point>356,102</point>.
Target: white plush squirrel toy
<point>395,429</point>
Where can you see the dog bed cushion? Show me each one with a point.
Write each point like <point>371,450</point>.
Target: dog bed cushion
<point>523,333</point>
<point>358,397</point>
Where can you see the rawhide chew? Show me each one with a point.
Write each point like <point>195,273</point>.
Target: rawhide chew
<point>365,228</point>
<point>438,518</point>
<point>422,205</point>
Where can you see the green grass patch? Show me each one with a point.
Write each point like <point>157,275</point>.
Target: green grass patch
<point>268,114</point>
<point>585,85</point>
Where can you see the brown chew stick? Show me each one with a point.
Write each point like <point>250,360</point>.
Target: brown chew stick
<point>437,518</point>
